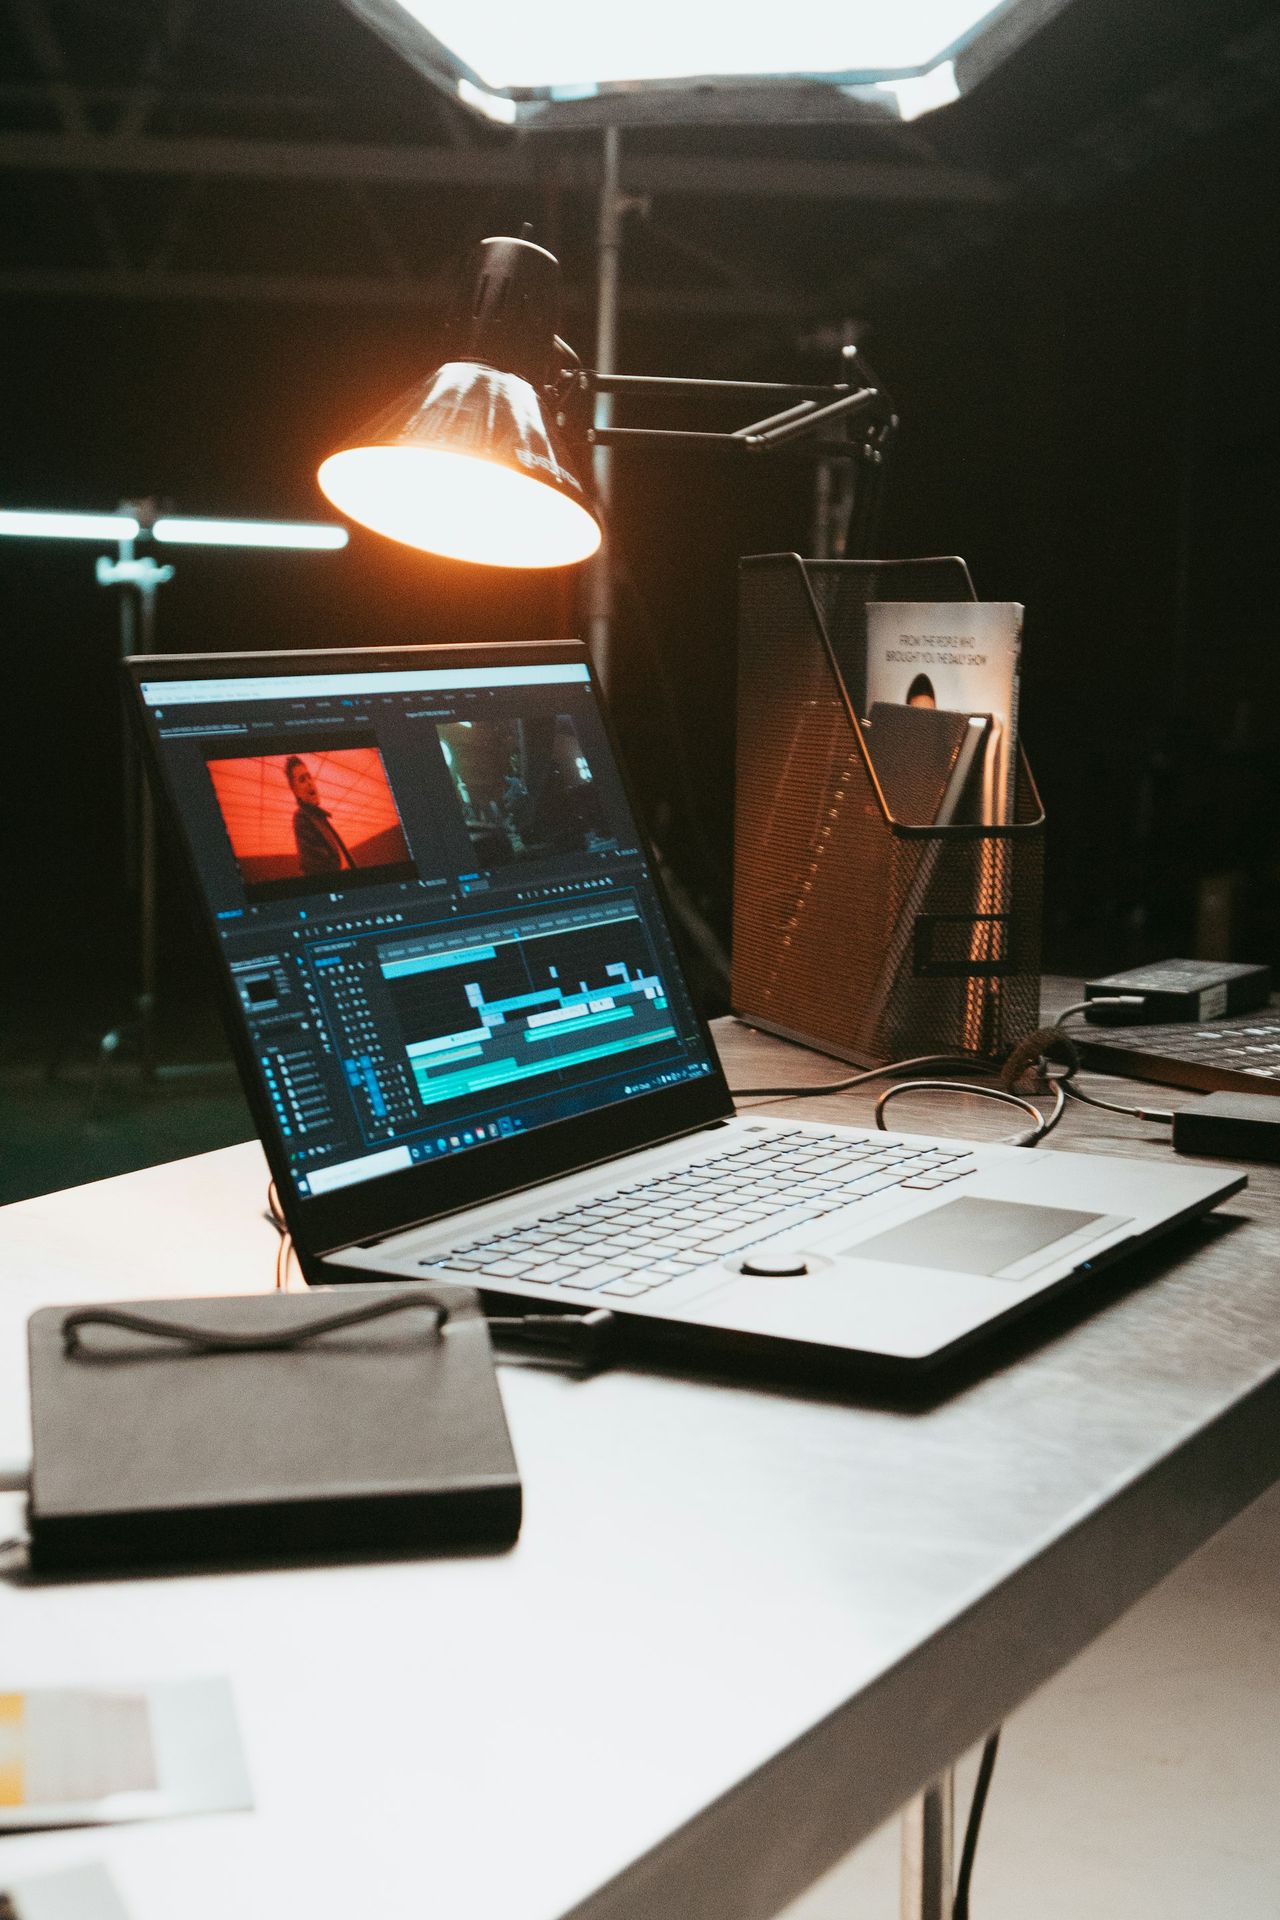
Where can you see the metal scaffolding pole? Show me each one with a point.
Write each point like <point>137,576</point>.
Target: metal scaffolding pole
<point>609,261</point>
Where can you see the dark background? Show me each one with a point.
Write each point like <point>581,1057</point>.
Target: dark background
<point>1084,364</point>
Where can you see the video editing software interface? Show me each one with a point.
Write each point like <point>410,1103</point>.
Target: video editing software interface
<point>430,894</point>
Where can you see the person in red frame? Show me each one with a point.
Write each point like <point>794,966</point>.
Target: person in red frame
<point>321,848</point>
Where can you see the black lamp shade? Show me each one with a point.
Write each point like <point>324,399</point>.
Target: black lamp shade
<point>468,464</point>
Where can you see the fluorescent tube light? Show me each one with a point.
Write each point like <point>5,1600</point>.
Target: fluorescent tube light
<point>172,531</point>
<point>68,526</point>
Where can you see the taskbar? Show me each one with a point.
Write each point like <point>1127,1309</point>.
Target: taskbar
<point>458,1139</point>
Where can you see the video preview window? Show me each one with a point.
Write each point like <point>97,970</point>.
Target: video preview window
<point>314,819</point>
<point>525,788</point>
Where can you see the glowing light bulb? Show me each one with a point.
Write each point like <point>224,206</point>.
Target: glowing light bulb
<point>459,505</point>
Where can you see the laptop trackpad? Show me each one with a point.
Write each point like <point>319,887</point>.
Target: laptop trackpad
<point>998,1239</point>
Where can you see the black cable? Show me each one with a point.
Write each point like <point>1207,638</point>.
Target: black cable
<point>1059,1108</point>
<point>1073,1092</point>
<point>981,1787</point>
<point>953,1062</point>
<point>966,1063</point>
<point>581,1340</point>
<point>1043,1123</point>
<point>956,1086</point>
<point>1049,1045</point>
<point>1067,1079</point>
<point>1110,1000</point>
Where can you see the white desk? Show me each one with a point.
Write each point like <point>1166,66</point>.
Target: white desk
<point>739,1627</point>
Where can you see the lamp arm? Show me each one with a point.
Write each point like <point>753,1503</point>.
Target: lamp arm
<point>803,419</point>
<point>592,382</point>
<point>802,423</point>
<point>665,437</point>
<point>778,432</point>
<point>758,427</point>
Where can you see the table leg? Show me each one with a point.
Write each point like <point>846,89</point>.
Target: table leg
<point>928,1852</point>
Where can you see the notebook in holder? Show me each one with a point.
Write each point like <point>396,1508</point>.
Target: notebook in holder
<point>264,1425</point>
<point>925,761</point>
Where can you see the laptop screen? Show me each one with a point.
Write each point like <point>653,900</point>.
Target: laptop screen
<point>431,898</point>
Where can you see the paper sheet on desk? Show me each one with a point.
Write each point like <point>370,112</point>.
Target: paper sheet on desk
<point>78,1893</point>
<point>72,1756</point>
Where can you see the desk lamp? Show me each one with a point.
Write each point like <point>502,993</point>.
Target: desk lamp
<point>476,462</point>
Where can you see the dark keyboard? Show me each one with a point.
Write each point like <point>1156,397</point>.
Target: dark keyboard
<point>647,1233</point>
<point>1240,1052</point>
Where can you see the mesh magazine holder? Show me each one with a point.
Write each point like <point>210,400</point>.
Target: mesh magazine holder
<point>854,932</point>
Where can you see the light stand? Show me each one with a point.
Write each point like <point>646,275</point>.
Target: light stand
<point>138,578</point>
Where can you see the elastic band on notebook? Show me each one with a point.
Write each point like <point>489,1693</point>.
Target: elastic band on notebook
<point>210,1340</point>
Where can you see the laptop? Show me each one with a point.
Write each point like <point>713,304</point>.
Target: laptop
<point>473,1056</point>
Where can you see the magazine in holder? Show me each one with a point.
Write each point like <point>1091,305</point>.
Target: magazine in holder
<point>869,937</point>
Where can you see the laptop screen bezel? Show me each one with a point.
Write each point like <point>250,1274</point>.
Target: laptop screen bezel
<point>374,1208</point>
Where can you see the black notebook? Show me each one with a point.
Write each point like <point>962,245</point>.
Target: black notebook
<point>925,761</point>
<point>266,1425</point>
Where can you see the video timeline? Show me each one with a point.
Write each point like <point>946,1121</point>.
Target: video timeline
<point>520,1007</point>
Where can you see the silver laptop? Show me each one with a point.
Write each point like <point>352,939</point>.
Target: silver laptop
<point>473,1056</point>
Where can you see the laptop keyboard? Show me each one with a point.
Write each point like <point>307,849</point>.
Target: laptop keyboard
<point>650,1232</point>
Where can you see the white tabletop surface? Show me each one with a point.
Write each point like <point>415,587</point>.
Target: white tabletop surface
<point>739,1626</point>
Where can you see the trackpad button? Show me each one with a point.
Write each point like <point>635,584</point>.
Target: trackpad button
<point>998,1239</point>
<point>778,1266</point>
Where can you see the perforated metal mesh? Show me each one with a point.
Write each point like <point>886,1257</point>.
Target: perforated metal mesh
<point>865,939</point>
